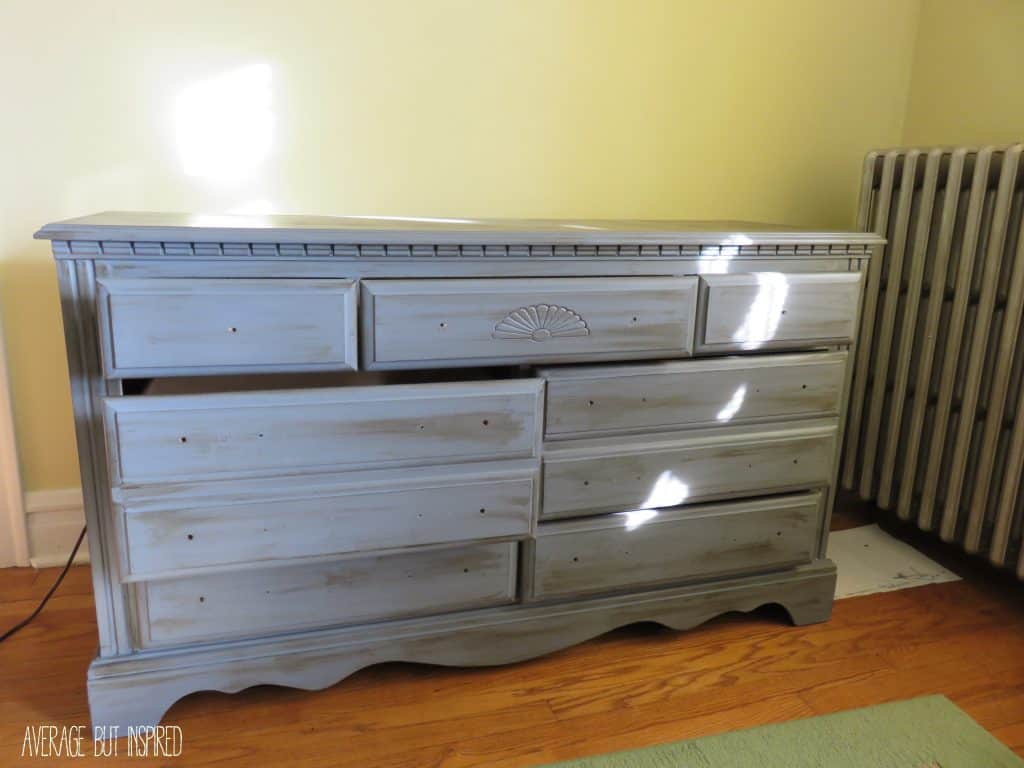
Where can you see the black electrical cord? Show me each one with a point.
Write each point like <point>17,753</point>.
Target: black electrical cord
<point>25,622</point>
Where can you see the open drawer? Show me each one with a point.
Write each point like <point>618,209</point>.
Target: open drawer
<point>180,438</point>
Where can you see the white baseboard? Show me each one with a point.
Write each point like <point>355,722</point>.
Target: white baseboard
<point>54,520</point>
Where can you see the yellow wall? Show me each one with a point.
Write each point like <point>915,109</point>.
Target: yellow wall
<point>757,109</point>
<point>966,83</point>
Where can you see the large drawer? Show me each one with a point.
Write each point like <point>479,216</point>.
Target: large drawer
<point>193,326</point>
<point>409,323</point>
<point>647,547</point>
<point>611,399</point>
<point>758,310</point>
<point>588,476</point>
<point>246,523</point>
<point>289,598</point>
<point>181,437</point>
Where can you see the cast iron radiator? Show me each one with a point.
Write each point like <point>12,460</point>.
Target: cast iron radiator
<point>936,417</point>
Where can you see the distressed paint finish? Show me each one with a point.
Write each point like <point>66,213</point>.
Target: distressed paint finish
<point>232,326</point>
<point>775,309</point>
<point>613,474</point>
<point>218,606</point>
<point>612,399</point>
<point>650,547</point>
<point>250,531</point>
<point>413,323</point>
<point>184,436</point>
<point>292,518</point>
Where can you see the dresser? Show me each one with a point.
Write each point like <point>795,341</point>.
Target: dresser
<point>309,445</point>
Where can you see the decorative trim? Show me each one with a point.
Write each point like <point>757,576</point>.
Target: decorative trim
<point>13,532</point>
<point>540,322</point>
<point>110,249</point>
<point>138,689</point>
<point>54,519</point>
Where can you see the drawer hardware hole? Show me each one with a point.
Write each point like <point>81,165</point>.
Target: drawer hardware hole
<point>575,559</point>
<point>485,422</point>
<point>796,461</point>
<point>190,537</point>
<point>590,402</point>
<point>259,434</point>
<point>483,510</point>
<point>202,599</point>
<point>586,482</point>
<point>634,319</point>
<point>803,386</point>
<point>422,426</point>
<point>643,399</point>
<point>442,325</point>
<point>465,570</point>
<point>232,329</point>
<point>182,439</point>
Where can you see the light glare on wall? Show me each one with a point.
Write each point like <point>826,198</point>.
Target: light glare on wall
<point>225,124</point>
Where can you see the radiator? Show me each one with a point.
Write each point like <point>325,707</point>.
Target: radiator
<point>935,427</point>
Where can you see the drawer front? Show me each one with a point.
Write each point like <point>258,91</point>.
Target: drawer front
<point>197,326</point>
<point>772,309</point>
<point>611,399</point>
<point>647,548</point>
<point>256,522</point>
<point>407,323</point>
<point>185,436</point>
<point>290,598</point>
<point>612,476</point>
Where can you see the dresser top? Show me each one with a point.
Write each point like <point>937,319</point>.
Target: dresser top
<point>190,227</point>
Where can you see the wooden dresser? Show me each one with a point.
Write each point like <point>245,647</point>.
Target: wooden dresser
<point>309,445</point>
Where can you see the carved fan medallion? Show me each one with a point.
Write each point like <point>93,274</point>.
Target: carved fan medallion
<point>540,322</point>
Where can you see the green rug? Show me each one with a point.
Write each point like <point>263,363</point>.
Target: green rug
<point>929,732</point>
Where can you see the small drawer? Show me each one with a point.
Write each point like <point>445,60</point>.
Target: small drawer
<point>594,400</point>
<point>291,598</point>
<point>182,437</point>
<point>650,547</point>
<point>245,523</point>
<point>770,309</point>
<point>198,326</point>
<point>588,476</point>
<point>410,323</point>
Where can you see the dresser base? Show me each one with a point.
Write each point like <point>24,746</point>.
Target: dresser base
<point>138,690</point>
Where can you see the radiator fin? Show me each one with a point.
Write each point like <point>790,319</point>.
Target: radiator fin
<point>936,417</point>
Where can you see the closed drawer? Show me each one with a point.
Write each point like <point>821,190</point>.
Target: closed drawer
<point>197,326</point>
<point>180,437</point>
<point>407,323</point>
<point>242,523</point>
<point>611,399</point>
<point>771,309</point>
<point>613,475</point>
<point>289,598</point>
<point>647,548</point>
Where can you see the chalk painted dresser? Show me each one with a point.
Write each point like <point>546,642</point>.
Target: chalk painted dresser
<point>309,445</point>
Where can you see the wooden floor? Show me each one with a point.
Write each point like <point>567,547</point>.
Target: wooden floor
<point>635,687</point>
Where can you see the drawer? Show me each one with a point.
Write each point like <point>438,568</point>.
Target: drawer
<point>649,548</point>
<point>771,309</point>
<point>611,399</point>
<point>181,437</point>
<point>589,476</point>
<point>289,598</point>
<point>198,326</point>
<point>244,523</point>
<point>408,323</point>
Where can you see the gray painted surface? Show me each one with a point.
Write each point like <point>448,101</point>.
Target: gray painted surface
<point>250,531</point>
